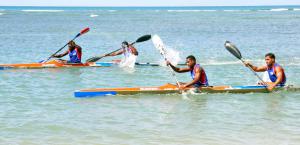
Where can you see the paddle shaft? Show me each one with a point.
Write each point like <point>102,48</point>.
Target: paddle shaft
<point>236,52</point>
<point>172,72</point>
<point>254,72</point>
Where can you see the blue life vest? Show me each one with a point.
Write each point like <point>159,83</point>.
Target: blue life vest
<point>75,56</point>
<point>203,78</point>
<point>272,74</point>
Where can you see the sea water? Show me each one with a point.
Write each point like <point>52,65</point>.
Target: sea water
<point>38,107</point>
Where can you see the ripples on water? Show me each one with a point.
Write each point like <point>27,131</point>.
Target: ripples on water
<point>38,107</point>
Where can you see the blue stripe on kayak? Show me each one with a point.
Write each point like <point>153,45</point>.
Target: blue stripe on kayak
<point>248,87</point>
<point>104,63</point>
<point>4,67</point>
<point>93,94</point>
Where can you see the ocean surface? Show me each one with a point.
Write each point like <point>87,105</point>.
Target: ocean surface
<point>38,107</point>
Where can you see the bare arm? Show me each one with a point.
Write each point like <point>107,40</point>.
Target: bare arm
<point>196,79</point>
<point>255,68</point>
<point>279,74</point>
<point>179,70</point>
<point>134,50</point>
<point>61,55</point>
<point>119,52</point>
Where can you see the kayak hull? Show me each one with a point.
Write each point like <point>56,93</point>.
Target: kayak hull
<point>50,64</point>
<point>170,88</point>
<point>57,64</point>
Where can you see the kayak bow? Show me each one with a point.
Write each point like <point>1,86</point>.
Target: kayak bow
<point>170,88</point>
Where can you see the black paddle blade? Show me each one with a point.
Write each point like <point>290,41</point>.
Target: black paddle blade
<point>143,38</point>
<point>93,59</point>
<point>233,49</point>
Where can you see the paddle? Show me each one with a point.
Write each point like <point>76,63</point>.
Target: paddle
<point>161,47</point>
<point>85,30</point>
<point>141,39</point>
<point>235,52</point>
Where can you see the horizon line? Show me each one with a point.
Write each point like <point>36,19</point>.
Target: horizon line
<point>148,6</point>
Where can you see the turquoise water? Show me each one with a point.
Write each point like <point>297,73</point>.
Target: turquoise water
<point>38,107</point>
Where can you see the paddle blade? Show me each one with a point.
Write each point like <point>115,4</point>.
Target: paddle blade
<point>93,59</point>
<point>233,49</point>
<point>84,31</point>
<point>143,38</point>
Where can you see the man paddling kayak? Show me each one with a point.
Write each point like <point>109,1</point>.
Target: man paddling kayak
<point>130,54</point>
<point>126,49</point>
<point>75,53</point>
<point>197,73</point>
<point>275,71</point>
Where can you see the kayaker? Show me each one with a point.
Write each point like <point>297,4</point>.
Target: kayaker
<point>274,70</point>
<point>130,54</point>
<point>74,51</point>
<point>197,73</point>
<point>126,49</point>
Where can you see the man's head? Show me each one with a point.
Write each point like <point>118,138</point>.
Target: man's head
<point>125,44</point>
<point>71,44</point>
<point>190,61</point>
<point>270,59</point>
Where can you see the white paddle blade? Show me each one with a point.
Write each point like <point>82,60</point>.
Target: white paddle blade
<point>158,44</point>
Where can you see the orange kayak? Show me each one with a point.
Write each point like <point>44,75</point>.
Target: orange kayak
<point>170,88</point>
<point>57,64</point>
<point>49,64</point>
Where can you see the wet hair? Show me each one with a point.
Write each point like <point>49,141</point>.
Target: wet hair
<point>125,42</point>
<point>191,57</point>
<point>271,55</point>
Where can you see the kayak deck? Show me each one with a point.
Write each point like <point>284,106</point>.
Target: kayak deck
<point>170,88</point>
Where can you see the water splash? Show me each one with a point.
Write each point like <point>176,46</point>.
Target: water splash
<point>184,96</point>
<point>33,10</point>
<point>128,61</point>
<point>172,55</point>
<point>93,15</point>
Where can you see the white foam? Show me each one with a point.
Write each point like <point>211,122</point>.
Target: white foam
<point>128,61</point>
<point>93,15</point>
<point>191,10</point>
<point>42,10</point>
<point>296,9</point>
<point>1,14</point>
<point>112,10</point>
<point>263,10</point>
<point>279,9</point>
<point>231,10</point>
<point>172,55</point>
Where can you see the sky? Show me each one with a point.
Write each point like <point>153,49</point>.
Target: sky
<point>146,2</point>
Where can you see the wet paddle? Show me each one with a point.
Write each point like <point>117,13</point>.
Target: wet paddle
<point>235,52</point>
<point>161,47</point>
<point>85,30</point>
<point>141,39</point>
